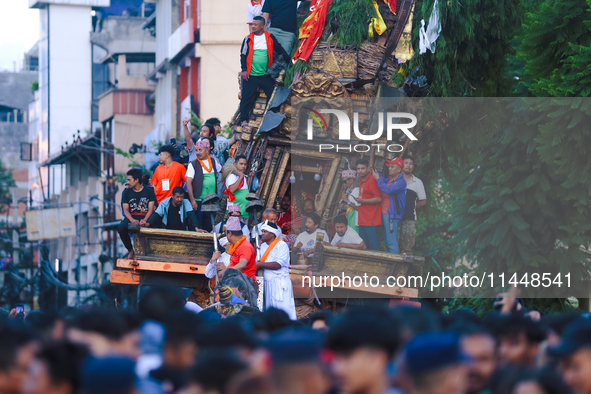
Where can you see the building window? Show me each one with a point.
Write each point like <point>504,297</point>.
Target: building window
<point>187,9</point>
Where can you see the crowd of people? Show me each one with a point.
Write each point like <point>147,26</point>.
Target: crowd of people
<point>164,347</point>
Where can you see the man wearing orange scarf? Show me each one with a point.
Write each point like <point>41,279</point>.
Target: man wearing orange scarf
<point>275,263</point>
<point>242,254</point>
<point>256,56</point>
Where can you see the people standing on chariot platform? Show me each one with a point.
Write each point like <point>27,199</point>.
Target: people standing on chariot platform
<point>256,57</point>
<point>202,175</point>
<point>415,198</point>
<point>393,201</point>
<point>369,200</point>
<point>220,146</point>
<point>168,174</point>
<point>236,186</point>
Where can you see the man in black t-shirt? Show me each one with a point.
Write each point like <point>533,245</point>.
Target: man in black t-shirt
<point>284,24</point>
<point>138,205</point>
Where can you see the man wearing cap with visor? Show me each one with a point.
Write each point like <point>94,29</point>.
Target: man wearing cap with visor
<point>275,264</point>
<point>393,201</point>
<point>435,363</point>
<point>574,353</point>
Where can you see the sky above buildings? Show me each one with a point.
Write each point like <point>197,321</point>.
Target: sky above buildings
<point>19,31</point>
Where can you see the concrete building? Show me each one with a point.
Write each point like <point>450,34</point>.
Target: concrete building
<point>221,31</point>
<point>197,61</point>
<point>15,151</point>
<point>93,56</point>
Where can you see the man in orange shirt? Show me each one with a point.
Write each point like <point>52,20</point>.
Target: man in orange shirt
<point>370,210</point>
<point>242,253</point>
<point>168,175</point>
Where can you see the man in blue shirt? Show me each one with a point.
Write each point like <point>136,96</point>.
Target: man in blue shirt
<point>393,201</point>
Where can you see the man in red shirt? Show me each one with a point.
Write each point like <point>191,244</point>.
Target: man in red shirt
<point>242,254</point>
<point>370,210</point>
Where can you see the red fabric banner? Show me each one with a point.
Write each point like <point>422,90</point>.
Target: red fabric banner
<point>311,29</point>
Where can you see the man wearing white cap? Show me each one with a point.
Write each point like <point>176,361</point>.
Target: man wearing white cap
<point>275,263</point>
<point>219,261</point>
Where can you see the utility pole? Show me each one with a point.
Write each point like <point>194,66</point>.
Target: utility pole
<point>15,232</point>
<point>78,252</point>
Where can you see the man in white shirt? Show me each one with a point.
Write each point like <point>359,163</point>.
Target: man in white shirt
<point>306,241</point>
<point>219,261</point>
<point>202,174</point>
<point>236,186</point>
<point>275,262</point>
<point>345,236</point>
<point>269,215</point>
<point>415,199</point>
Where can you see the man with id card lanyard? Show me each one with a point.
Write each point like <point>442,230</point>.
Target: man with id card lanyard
<point>168,174</point>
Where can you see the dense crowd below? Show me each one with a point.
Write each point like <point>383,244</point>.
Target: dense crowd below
<point>162,347</point>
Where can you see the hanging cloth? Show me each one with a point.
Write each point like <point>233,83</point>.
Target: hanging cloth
<point>428,36</point>
<point>311,30</point>
<point>392,5</point>
<point>377,23</point>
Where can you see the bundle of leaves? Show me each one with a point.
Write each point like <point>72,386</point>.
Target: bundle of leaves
<point>347,21</point>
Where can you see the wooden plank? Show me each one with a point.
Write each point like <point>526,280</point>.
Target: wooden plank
<point>125,277</point>
<point>148,278</point>
<point>312,153</point>
<point>271,174</point>
<point>161,266</point>
<point>329,180</point>
<point>268,155</point>
<point>277,179</point>
<point>197,260</point>
<point>285,183</point>
<point>173,246</point>
<point>333,196</point>
<point>394,291</point>
<point>333,261</point>
<point>176,233</point>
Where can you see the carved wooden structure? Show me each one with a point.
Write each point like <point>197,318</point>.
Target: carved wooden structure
<point>349,73</point>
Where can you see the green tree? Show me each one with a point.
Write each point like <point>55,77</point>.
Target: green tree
<point>6,182</point>
<point>554,49</point>
<point>470,58</point>
<point>520,210</point>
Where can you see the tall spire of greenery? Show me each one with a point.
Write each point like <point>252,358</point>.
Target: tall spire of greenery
<point>471,53</point>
